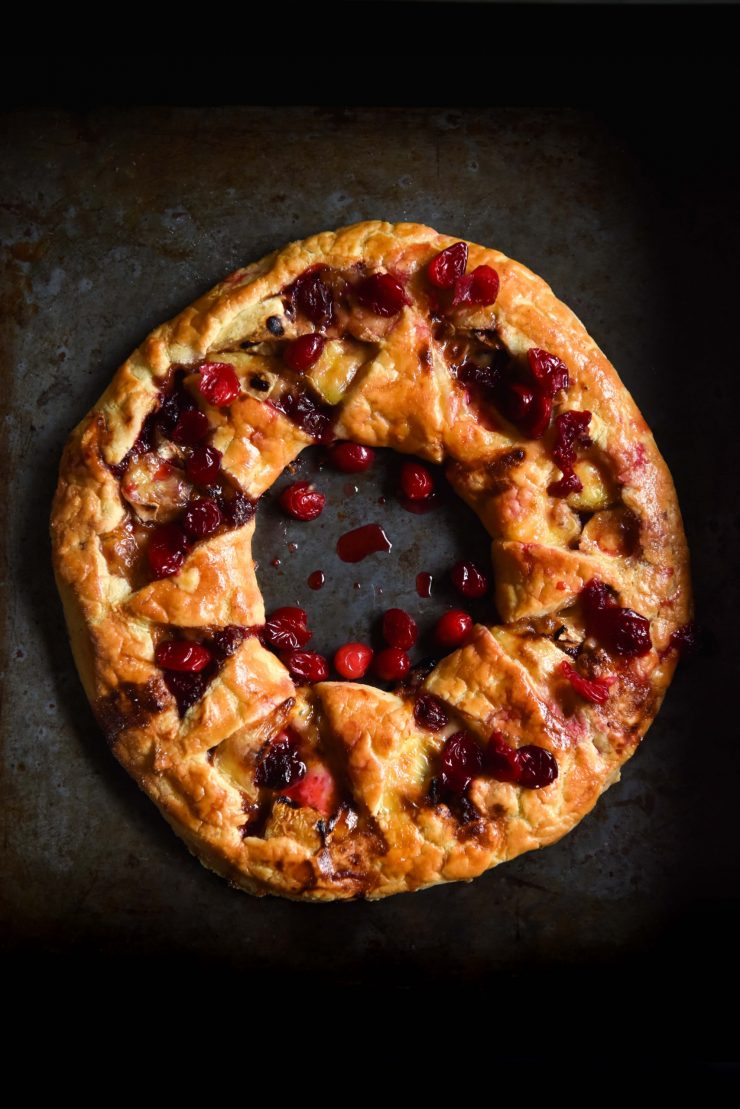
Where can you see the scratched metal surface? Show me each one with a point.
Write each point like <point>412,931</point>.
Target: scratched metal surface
<point>114,220</point>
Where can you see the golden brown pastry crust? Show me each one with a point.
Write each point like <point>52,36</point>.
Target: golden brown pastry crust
<point>200,769</point>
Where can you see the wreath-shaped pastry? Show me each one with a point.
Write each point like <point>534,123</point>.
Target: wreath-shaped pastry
<point>390,336</point>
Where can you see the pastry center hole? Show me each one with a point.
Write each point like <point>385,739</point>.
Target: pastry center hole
<point>350,604</point>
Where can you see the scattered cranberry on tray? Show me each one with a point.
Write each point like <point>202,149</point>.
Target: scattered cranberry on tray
<point>469,580</point>
<point>351,458</point>
<point>452,628</point>
<point>392,664</point>
<point>399,629</point>
<point>352,660</point>
<point>302,502</point>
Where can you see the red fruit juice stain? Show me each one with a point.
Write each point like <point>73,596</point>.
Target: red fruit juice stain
<point>355,545</point>
<point>316,579</point>
<point>424,584</point>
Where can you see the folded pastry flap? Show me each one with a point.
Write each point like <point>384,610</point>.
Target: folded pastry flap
<point>485,685</point>
<point>399,399</point>
<point>251,685</point>
<point>385,753</point>
<point>217,585</point>
<point>257,442</point>
<point>535,580</point>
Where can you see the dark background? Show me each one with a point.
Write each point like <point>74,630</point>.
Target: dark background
<point>615,176</point>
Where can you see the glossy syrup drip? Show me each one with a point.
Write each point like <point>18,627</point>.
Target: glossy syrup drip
<point>316,579</point>
<point>355,545</point>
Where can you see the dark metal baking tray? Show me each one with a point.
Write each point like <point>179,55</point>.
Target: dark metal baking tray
<point>113,220</point>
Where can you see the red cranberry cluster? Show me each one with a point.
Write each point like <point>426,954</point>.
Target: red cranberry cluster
<point>570,428</point>
<point>453,287</point>
<point>190,667</point>
<point>620,631</point>
<point>282,769</point>
<point>524,394</point>
<point>463,759</point>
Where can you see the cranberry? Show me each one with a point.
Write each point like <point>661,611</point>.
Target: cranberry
<point>424,584</point>
<point>307,414</point>
<point>501,759</point>
<point>526,407</point>
<point>187,688</point>
<point>175,404</point>
<point>280,764</point>
<point>620,630</point>
<point>316,579</point>
<point>430,712</point>
<point>351,458</point>
<point>167,549</point>
<point>537,767</point>
<point>202,518</point>
<point>591,689</point>
<point>303,353</point>
<point>684,639</point>
<point>392,664</point>
<point>225,641</point>
<point>352,660</point>
<point>287,628</point>
<point>355,545</point>
<point>570,428</point>
<point>548,371</point>
<point>191,428</point>
<point>317,790</point>
<point>444,270</point>
<point>477,288</point>
<point>382,294</point>
<point>399,629</point>
<point>469,580</point>
<point>302,502</point>
<point>306,666</point>
<point>204,465</point>
<point>462,760</point>
<point>237,509</point>
<point>453,628</point>
<point>313,297</point>
<point>182,654</point>
<point>470,373</point>
<point>218,383</point>
<point>416,481</point>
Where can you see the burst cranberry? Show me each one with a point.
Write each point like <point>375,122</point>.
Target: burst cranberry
<point>313,297</point>
<point>287,628</point>
<point>307,414</point>
<point>352,660</point>
<point>167,549</point>
<point>303,353</point>
<point>462,760</point>
<point>382,294</point>
<point>469,580</point>
<point>302,502</point>
<point>204,465</point>
<point>392,664</point>
<point>202,518</point>
<point>237,509</point>
<point>477,288</point>
<point>548,371</point>
<point>430,712</point>
<point>225,641</point>
<point>280,764</point>
<point>501,759</point>
<point>317,790</point>
<point>526,407</point>
<point>351,458</point>
<point>416,481</point>
<point>218,383</point>
<point>399,629</point>
<point>306,666</point>
<point>684,639</point>
<point>191,428</point>
<point>595,690</point>
<point>453,628</point>
<point>620,630</point>
<point>570,428</point>
<point>537,767</point>
<point>187,688</point>
<point>444,270</point>
<point>181,654</point>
